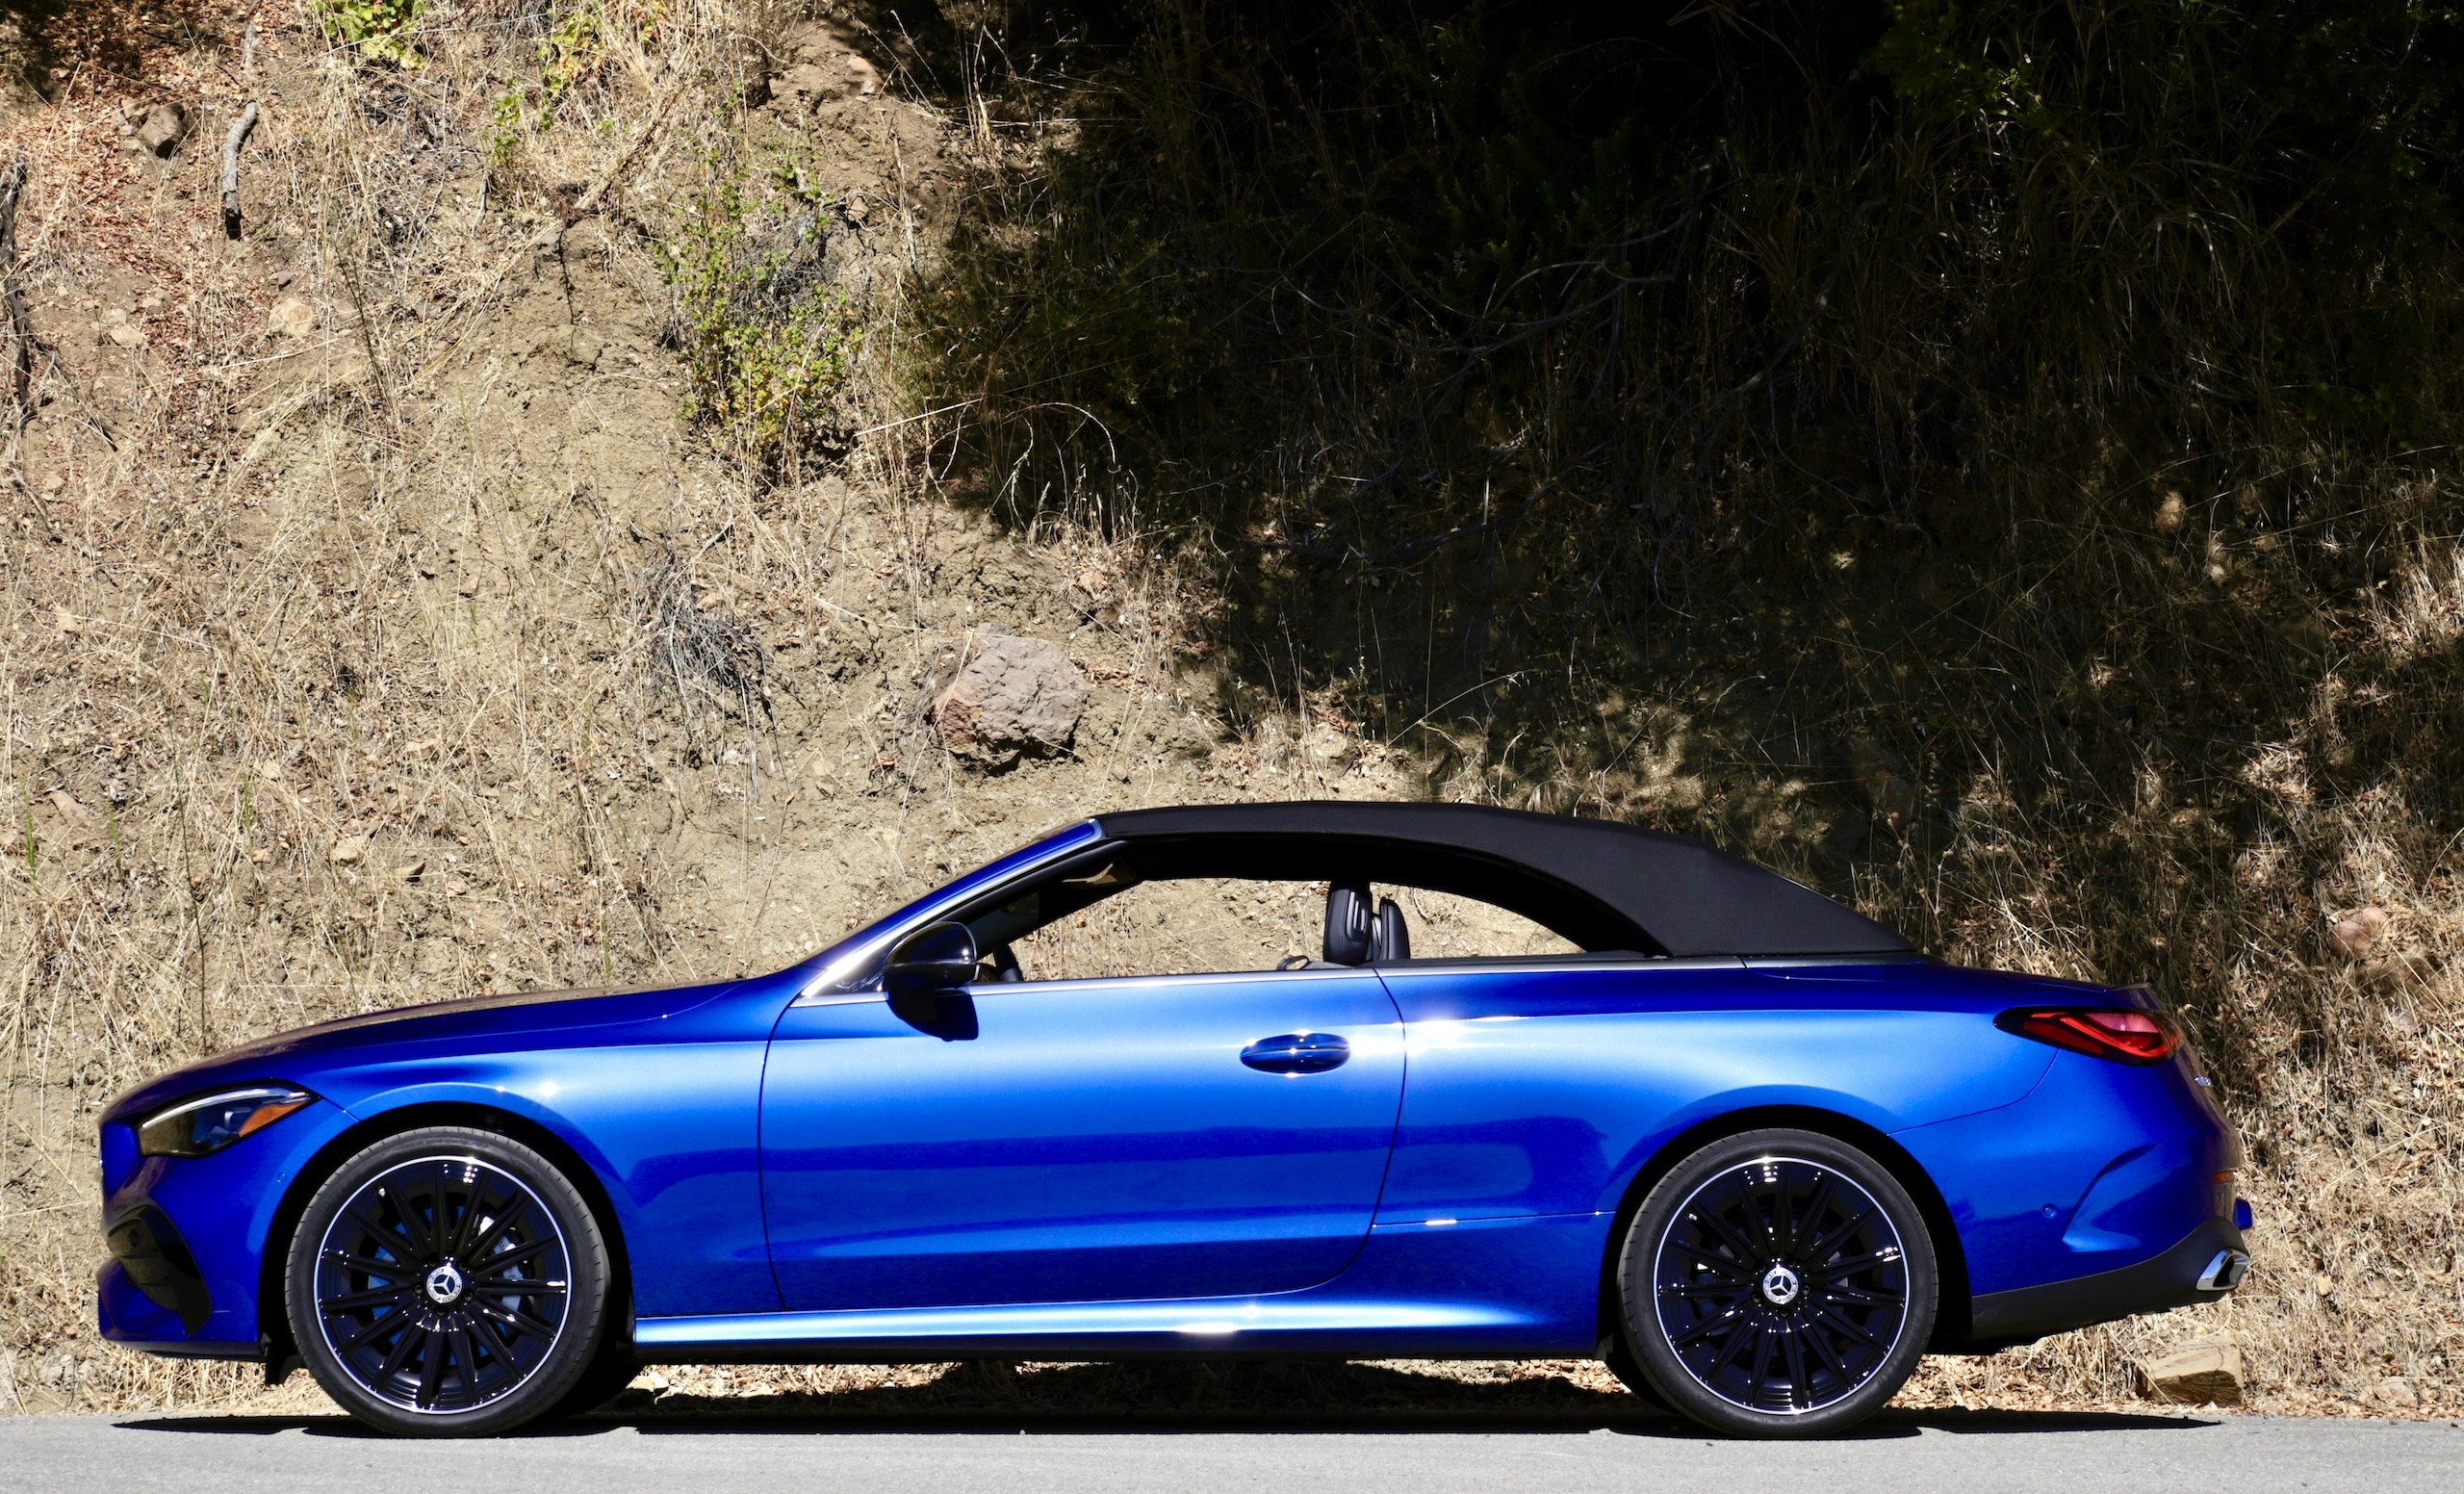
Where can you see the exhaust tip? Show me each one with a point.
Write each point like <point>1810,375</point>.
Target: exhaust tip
<point>2224,1273</point>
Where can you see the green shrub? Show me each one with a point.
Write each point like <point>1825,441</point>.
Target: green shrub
<point>767,339</point>
<point>383,31</point>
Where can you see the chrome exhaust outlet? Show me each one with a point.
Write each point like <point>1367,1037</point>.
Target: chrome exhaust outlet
<point>2224,1273</point>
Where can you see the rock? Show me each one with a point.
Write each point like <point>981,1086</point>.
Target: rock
<point>2352,937</point>
<point>292,316</point>
<point>127,334</point>
<point>350,850</point>
<point>163,128</point>
<point>412,871</point>
<point>2396,1390</point>
<point>68,622</point>
<point>2204,1372</point>
<point>1014,697</point>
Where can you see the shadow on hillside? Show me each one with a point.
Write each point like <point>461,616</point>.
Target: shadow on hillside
<point>1495,412</point>
<point>99,42</point>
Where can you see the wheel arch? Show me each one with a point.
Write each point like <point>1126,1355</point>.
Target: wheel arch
<point>273,1320</point>
<point>1950,1317</point>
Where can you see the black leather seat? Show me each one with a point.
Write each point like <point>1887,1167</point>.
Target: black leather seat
<point>1359,932</point>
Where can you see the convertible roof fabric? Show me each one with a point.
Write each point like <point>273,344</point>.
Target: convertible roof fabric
<point>1601,885</point>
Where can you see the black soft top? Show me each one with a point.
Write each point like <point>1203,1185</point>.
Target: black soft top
<point>1600,885</point>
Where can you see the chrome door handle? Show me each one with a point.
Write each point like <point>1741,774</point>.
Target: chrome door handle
<point>1296,1053</point>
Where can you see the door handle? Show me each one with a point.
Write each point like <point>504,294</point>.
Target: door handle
<point>1296,1053</point>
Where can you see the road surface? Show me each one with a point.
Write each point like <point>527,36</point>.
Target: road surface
<point>1934,1453</point>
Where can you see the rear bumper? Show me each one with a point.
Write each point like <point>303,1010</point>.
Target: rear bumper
<point>2170,1279</point>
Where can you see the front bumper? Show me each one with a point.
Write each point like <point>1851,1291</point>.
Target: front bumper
<point>2205,1264</point>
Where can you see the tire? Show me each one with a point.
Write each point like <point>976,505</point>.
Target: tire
<point>448,1283</point>
<point>1763,1321</point>
<point>1628,1369</point>
<point>604,1381</point>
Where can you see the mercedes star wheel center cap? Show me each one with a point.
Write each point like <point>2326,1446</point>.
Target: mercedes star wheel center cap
<point>444,1285</point>
<point>1781,1286</point>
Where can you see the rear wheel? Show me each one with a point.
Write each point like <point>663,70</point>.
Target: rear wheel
<point>1779,1283</point>
<point>448,1283</point>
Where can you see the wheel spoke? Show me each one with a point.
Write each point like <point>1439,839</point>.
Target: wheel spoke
<point>376,1268</point>
<point>414,1228</point>
<point>484,1328</point>
<point>1705,1291</point>
<point>1758,1371</point>
<point>401,1353</point>
<point>1888,1256</point>
<point>374,1296</point>
<point>1735,1270</point>
<point>1840,1236</point>
<point>385,1323</point>
<point>518,1288</point>
<point>1828,1318</point>
<point>1828,1356</point>
<point>1715,1323</point>
<point>431,1369</point>
<point>516,1317</point>
<point>1736,1243</point>
<point>1859,1297</point>
<point>374,1225</point>
<point>1800,1378</point>
<point>1815,1202</point>
<point>1777,1188</point>
<point>496,1266</point>
<point>458,1334</point>
<point>473,1210</point>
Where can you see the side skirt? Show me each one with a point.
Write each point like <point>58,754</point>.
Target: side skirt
<point>1196,1327</point>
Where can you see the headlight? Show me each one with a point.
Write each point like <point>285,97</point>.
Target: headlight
<point>197,1127</point>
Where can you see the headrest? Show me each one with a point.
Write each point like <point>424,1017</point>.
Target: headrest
<point>1349,924</point>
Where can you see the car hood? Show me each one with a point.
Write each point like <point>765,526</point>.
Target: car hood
<point>270,1058</point>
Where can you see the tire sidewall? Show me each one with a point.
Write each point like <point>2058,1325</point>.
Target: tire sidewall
<point>578,1345</point>
<point>1638,1308</point>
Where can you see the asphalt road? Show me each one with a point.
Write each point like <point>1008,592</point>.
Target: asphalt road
<point>1928,1454</point>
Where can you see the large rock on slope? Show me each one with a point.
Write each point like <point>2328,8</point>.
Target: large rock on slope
<point>2204,1372</point>
<point>1014,697</point>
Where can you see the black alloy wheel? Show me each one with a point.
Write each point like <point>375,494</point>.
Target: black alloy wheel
<point>1777,1283</point>
<point>448,1283</point>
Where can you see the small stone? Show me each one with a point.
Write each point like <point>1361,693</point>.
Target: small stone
<point>1016,697</point>
<point>127,334</point>
<point>2204,1372</point>
<point>2396,1390</point>
<point>67,622</point>
<point>411,870</point>
<point>163,128</point>
<point>292,316</point>
<point>350,850</point>
<point>2352,937</point>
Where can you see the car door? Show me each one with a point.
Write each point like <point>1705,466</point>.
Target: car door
<point>1079,1140</point>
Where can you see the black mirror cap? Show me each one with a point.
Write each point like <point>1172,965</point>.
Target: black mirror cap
<point>937,957</point>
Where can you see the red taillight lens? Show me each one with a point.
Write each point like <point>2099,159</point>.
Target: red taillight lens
<point>2125,1034</point>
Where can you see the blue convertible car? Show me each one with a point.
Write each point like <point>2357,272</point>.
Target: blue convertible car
<point>1739,1141</point>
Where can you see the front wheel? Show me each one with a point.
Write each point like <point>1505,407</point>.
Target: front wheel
<point>447,1283</point>
<point>1777,1283</point>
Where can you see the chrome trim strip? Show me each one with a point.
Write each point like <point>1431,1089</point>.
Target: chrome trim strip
<point>1203,1317</point>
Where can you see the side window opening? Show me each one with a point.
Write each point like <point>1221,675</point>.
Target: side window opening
<point>1108,923</point>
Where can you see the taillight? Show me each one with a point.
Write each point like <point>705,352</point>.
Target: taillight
<point>2125,1034</point>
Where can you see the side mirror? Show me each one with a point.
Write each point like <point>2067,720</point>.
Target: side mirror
<point>936,958</point>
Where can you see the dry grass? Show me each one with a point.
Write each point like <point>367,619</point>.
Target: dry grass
<point>415,657</point>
